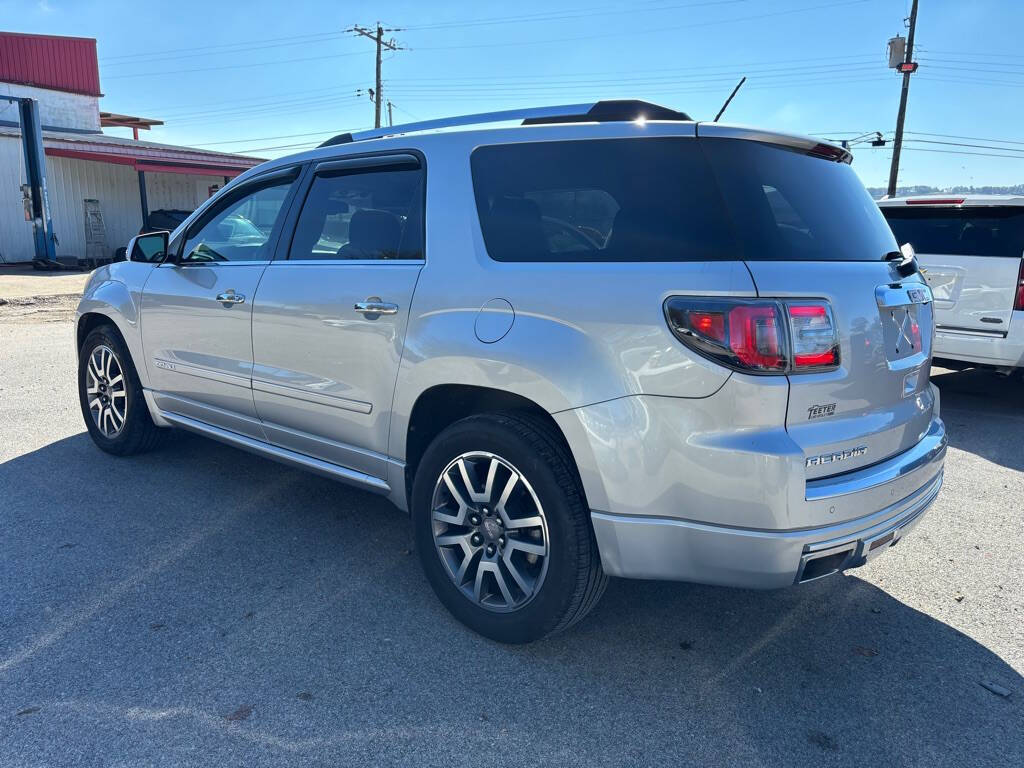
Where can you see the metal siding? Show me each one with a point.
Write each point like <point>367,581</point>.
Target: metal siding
<point>115,186</point>
<point>46,61</point>
<point>69,182</point>
<point>15,232</point>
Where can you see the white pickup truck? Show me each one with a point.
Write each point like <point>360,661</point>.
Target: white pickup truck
<point>970,249</point>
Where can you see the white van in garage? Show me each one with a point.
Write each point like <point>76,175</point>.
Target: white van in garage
<point>970,249</point>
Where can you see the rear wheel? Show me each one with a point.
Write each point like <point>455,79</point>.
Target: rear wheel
<point>111,396</point>
<point>502,529</point>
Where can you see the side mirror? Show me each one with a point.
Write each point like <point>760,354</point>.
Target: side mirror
<point>150,248</point>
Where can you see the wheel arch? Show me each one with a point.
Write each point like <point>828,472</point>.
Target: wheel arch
<point>441,405</point>
<point>111,303</point>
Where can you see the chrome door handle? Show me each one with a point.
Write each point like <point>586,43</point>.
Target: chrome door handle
<point>230,297</point>
<point>374,306</point>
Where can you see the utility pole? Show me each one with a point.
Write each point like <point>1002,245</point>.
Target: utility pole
<point>908,67</point>
<point>391,122</point>
<point>377,35</point>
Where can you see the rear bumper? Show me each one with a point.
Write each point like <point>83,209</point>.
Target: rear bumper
<point>983,348</point>
<point>671,548</point>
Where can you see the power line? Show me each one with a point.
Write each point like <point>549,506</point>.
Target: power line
<point>649,32</point>
<point>564,14</point>
<point>233,66</point>
<point>322,37</point>
<point>968,138</point>
<point>193,48</point>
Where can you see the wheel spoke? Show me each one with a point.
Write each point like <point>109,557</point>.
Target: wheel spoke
<point>95,404</point>
<point>515,523</point>
<point>500,578</point>
<point>527,546</point>
<point>500,505</point>
<point>469,555</point>
<point>512,569</point>
<point>478,583</point>
<point>115,381</point>
<point>94,367</point>
<point>451,539</point>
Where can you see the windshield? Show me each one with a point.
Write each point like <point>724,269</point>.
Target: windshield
<point>995,231</point>
<point>790,206</point>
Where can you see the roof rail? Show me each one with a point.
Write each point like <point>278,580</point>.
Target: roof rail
<point>590,112</point>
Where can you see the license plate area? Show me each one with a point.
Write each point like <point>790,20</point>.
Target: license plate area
<point>907,322</point>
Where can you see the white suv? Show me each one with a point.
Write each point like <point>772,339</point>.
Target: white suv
<point>971,251</point>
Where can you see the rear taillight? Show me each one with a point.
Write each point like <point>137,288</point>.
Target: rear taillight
<point>1018,300</point>
<point>757,336</point>
<point>815,343</point>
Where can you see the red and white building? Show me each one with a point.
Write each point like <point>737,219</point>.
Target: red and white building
<point>126,176</point>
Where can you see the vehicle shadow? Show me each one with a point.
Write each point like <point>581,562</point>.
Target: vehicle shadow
<point>199,605</point>
<point>994,407</point>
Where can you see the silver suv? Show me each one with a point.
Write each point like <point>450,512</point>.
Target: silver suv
<point>609,340</point>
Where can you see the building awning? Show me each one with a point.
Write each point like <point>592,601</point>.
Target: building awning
<point>114,120</point>
<point>141,155</point>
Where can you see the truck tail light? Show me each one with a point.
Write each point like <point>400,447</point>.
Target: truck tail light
<point>1018,299</point>
<point>757,336</point>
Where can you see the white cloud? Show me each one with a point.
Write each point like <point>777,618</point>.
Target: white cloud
<point>44,6</point>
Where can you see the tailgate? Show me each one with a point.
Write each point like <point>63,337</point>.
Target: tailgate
<point>972,292</point>
<point>878,403</point>
<point>971,257</point>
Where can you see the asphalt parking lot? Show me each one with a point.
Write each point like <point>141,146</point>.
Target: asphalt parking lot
<point>201,606</point>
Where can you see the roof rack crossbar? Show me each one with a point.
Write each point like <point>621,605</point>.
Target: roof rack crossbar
<point>594,111</point>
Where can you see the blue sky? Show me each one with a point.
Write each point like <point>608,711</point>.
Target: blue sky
<point>248,77</point>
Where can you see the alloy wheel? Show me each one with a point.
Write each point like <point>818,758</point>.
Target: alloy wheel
<point>490,531</point>
<point>106,392</point>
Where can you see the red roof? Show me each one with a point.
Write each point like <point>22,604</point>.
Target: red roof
<point>48,61</point>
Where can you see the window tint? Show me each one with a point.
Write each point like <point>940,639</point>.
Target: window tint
<point>961,232</point>
<point>240,230</point>
<point>600,200</point>
<point>790,206</point>
<point>371,214</point>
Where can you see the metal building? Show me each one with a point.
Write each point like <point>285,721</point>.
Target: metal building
<point>86,170</point>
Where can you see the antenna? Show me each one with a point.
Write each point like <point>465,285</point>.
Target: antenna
<point>734,90</point>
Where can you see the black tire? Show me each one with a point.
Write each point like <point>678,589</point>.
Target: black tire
<point>138,433</point>
<point>574,579</point>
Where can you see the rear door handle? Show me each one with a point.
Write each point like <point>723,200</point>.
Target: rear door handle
<point>230,297</point>
<point>374,306</point>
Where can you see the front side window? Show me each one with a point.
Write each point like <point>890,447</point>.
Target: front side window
<point>972,231</point>
<point>600,200</point>
<point>365,214</point>
<point>241,229</point>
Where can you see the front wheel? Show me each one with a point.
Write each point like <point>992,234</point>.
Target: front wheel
<point>502,529</point>
<point>111,396</point>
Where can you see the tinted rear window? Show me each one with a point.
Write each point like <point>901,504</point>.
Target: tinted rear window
<point>960,231</point>
<point>672,199</point>
<point>790,206</point>
<point>600,200</point>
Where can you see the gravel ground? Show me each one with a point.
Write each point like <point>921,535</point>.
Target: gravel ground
<point>201,606</point>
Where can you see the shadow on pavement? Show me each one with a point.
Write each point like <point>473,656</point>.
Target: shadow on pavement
<point>199,605</point>
<point>992,402</point>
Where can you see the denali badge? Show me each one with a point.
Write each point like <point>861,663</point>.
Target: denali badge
<point>817,411</point>
<point>836,456</point>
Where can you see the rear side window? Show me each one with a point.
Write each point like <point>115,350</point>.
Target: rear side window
<point>790,206</point>
<point>995,231</point>
<point>368,214</point>
<point>600,200</point>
